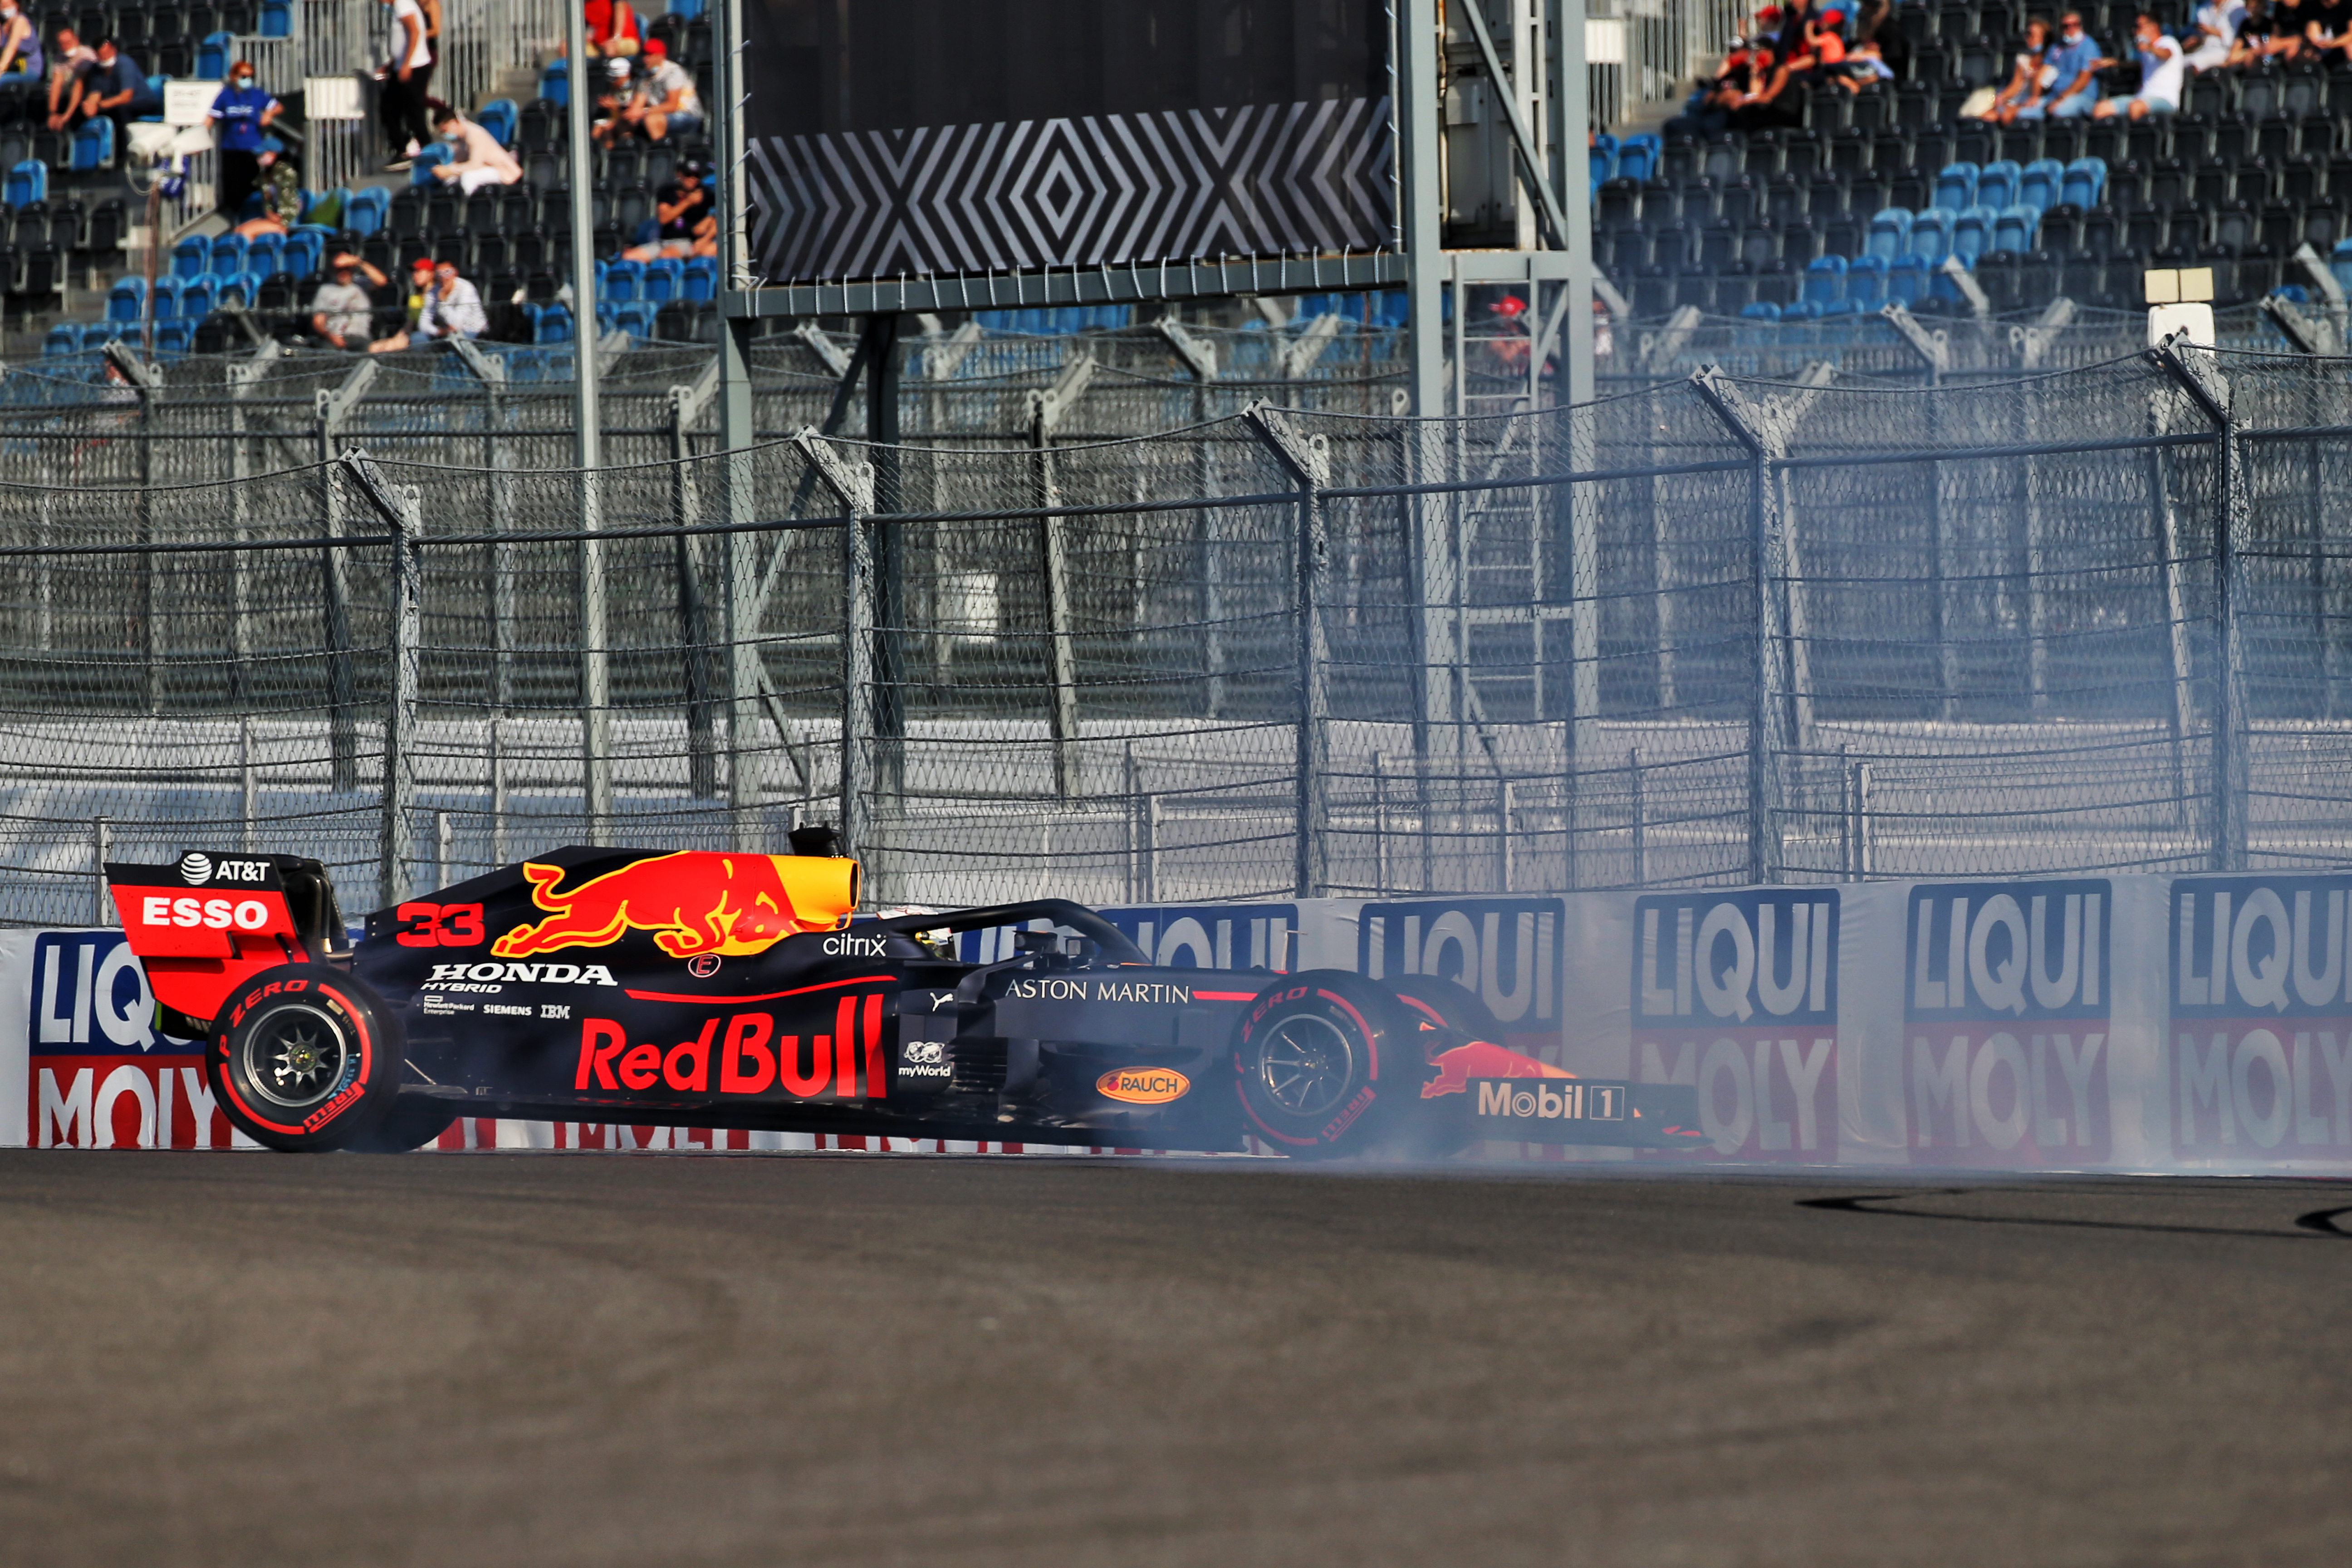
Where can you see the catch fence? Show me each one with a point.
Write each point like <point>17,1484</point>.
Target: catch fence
<point>1712,631</point>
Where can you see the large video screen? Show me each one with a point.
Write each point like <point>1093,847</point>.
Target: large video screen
<point>895,138</point>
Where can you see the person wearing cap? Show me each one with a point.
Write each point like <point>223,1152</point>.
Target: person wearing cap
<point>451,308</point>
<point>478,159</point>
<point>612,105</point>
<point>342,310</point>
<point>683,224</point>
<point>667,101</point>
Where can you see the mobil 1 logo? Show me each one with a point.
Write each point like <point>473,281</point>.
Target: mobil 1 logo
<point>1735,993</point>
<point>2261,1017</point>
<point>2005,1021</point>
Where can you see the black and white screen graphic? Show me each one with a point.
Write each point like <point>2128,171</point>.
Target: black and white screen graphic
<point>893,138</point>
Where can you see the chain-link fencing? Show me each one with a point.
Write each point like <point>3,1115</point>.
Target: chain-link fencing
<point>1718,630</point>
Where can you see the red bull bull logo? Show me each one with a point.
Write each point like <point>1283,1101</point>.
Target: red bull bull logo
<point>1480,1059</point>
<point>693,902</point>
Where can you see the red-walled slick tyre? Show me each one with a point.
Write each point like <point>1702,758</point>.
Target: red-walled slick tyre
<point>1322,1066</point>
<point>306,1059</point>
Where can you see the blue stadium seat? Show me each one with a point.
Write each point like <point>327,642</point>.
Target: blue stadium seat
<point>686,10</point>
<point>265,254</point>
<point>420,173</point>
<point>2085,183</point>
<point>623,280</point>
<point>212,54</point>
<point>1971,233</point>
<point>1824,280</point>
<point>1890,234</point>
<point>555,88</point>
<point>2015,229</point>
<point>1841,309</point>
<point>2340,264</point>
<point>1906,282</point>
<point>1865,281</point>
<point>305,247</point>
<point>175,337</point>
<point>167,299</point>
<point>1956,187</point>
<point>62,340</point>
<point>665,280</point>
<point>698,279</point>
<point>553,326</point>
<point>93,145</point>
<point>498,117</point>
<point>227,257</point>
<point>276,18</point>
<point>196,296</point>
<point>192,257</point>
<point>127,301</point>
<point>245,286</point>
<point>1760,311</point>
<point>1637,157</point>
<point>98,334</point>
<point>1997,183</point>
<point>1931,236</point>
<point>2038,186</point>
<point>27,183</point>
<point>635,319</point>
<point>364,214</point>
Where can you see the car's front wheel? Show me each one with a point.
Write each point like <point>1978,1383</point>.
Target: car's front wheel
<point>306,1059</point>
<point>1321,1066</point>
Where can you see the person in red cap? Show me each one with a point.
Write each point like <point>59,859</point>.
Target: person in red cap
<point>666,103</point>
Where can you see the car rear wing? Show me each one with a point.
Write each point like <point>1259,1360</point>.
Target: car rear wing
<point>200,926</point>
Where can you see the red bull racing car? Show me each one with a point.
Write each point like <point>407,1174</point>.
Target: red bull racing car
<point>734,990</point>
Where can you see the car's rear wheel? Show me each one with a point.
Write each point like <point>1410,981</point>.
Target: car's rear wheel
<point>304,1059</point>
<point>1321,1066</point>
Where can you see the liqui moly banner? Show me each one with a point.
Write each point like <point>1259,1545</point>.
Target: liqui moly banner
<point>2115,1023</point>
<point>2006,1010</point>
<point>2260,1027</point>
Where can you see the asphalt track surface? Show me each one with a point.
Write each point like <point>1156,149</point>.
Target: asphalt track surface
<point>583,1359</point>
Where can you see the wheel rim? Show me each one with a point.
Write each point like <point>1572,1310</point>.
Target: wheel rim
<point>1305,1063</point>
<point>297,1055</point>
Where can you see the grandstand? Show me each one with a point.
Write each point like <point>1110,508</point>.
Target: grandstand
<point>1862,203</point>
<point>72,261</point>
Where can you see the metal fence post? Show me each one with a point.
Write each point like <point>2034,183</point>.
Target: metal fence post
<point>1308,459</point>
<point>686,407</point>
<point>2209,391</point>
<point>1045,411</point>
<point>330,408</point>
<point>491,370</point>
<point>246,376</point>
<point>1766,709</point>
<point>402,512</point>
<point>853,487</point>
<point>101,845</point>
<point>147,381</point>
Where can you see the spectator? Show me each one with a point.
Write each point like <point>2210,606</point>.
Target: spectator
<point>1708,110</point>
<point>2254,29</point>
<point>684,223</point>
<point>612,105</point>
<point>2329,31</point>
<point>1766,99</point>
<point>20,42</point>
<point>480,160</point>
<point>341,312</point>
<point>452,309</point>
<point>240,113</point>
<point>424,79</point>
<point>118,89</point>
<point>2210,35</point>
<point>1875,23</point>
<point>2030,76</point>
<point>2074,66</point>
<point>2162,68</point>
<point>70,64</point>
<point>2287,19</point>
<point>403,99</point>
<point>613,28</point>
<point>1864,68</point>
<point>666,103</point>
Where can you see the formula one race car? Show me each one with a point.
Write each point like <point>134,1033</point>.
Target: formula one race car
<point>734,990</point>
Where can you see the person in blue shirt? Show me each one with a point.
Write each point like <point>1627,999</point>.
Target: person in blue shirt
<point>240,116</point>
<point>118,89</point>
<point>2074,63</point>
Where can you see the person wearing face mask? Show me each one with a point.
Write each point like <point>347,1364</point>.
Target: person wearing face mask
<point>241,113</point>
<point>476,159</point>
<point>2075,65</point>
<point>20,42</point>
<point>2162,65</point>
